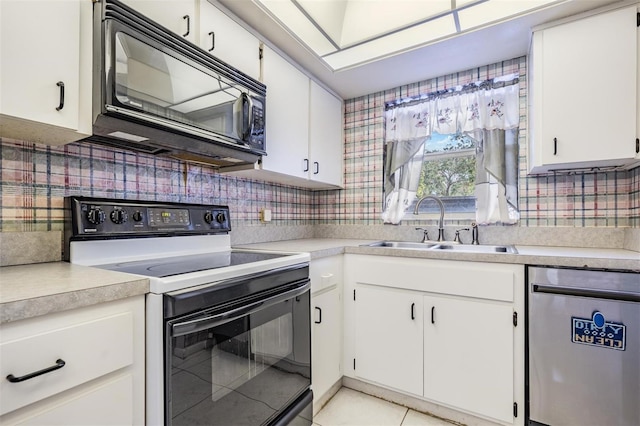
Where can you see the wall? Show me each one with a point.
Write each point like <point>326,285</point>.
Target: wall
<point>609,199</point>
<point>35,178</point>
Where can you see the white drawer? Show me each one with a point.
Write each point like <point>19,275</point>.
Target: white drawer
<point>90,348</point>
<point>325,272</point>
<point>108,403</point>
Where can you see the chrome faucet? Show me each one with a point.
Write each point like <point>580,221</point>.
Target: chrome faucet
<point>441,222</point>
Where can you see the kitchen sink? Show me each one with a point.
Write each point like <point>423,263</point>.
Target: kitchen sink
<point>470,248</point>
<point>453,247</point>
<point>401,244</point>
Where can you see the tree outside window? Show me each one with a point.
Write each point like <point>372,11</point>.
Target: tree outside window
<point>449,172</point>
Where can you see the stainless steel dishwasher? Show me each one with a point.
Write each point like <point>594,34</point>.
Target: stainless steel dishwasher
<point>583,347</point>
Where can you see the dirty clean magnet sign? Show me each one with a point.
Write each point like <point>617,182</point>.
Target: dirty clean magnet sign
<point>597,331</point>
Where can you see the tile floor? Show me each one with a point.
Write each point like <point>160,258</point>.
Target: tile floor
<point>352,408</point>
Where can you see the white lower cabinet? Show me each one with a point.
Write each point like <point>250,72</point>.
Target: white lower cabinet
<point>388,339</point>
<point>326,341</point>
<point>326,326</point>
<point>92,365</point>
<point>443,331</point>
<point>468,355</point>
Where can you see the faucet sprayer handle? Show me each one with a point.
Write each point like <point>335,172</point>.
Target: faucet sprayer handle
<point>456,239</point>
<point>425,235</point>
<point>474,234</point>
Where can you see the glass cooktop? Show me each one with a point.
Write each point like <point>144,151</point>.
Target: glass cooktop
<point>166,267</point>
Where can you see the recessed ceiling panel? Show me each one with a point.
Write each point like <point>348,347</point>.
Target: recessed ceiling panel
<point>412,37</point>
<point>367,19</point>
<point>493,11</point>
<point>296,23</point>
<point>328,14</point>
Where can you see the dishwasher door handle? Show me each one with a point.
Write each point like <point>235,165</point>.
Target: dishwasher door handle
<point>587,292</point>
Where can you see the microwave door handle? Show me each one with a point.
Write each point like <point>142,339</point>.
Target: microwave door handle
<point>200,324</point>
<point>248,128</point>
<point>245,127</point>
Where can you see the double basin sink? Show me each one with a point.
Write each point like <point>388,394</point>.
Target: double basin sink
<point>445,246</point>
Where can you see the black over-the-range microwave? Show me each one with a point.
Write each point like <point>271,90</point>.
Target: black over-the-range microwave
<point>156,92</point>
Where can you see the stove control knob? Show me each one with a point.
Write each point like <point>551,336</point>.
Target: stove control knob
<point>208,217</point>
<point>137,216</point>
<point>221,218</point>
<point>119,216</point>
<point>96,216</point>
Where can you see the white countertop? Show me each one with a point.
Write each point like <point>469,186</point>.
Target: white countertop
<point>597,253</point>
<point>37,289</point>
<point>527,255</point>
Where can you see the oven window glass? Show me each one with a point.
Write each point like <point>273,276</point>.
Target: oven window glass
<point>243,371</point>
<point>152,81</point>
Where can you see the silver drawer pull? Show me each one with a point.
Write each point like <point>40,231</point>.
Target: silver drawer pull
<point>13,379</point>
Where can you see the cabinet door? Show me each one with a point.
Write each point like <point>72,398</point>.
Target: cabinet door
<point>40,48</point>
<point>228,41</point>
<point>325,136</point>
<point>584,75</point>
<point>326,341</point>
<point>468,355</point>
<point>388,337</point>
<point>287,117</point>
<point>176,15</point>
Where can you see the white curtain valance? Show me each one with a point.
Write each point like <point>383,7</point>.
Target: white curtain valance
<point>464,112</point>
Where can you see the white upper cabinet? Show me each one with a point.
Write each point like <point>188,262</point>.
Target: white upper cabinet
<point>225,39</point>
<point>303,128</point>
<point>179,16</point>
<point>583,93</point>
<point>287,117</point>
<point>325,137</point>
<point>45,59</point>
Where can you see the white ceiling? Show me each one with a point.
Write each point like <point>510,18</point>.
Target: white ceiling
<point>358,47</point>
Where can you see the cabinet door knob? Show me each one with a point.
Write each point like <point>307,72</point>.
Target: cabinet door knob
<point>306,165</point>
<point>319,315</point>
<point>555,146</point>
<point>13,379</point>
<point>317,167</point>
<point>213,40</point>
<point>188,19</point>
<point>60,84</point>
<point>413,314</point>
<point>433,315</point>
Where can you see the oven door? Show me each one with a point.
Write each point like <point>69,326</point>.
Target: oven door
<point>246,363</point>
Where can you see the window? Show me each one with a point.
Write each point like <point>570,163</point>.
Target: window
<point>449,172</point>
<point>461,146</point>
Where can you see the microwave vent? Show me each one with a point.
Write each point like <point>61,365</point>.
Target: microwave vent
<point>126,144</point>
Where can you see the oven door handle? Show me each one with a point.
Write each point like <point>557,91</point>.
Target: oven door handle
<point>200,324</point>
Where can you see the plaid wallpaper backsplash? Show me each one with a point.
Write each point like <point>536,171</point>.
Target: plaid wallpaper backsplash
<point>35,178</point>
